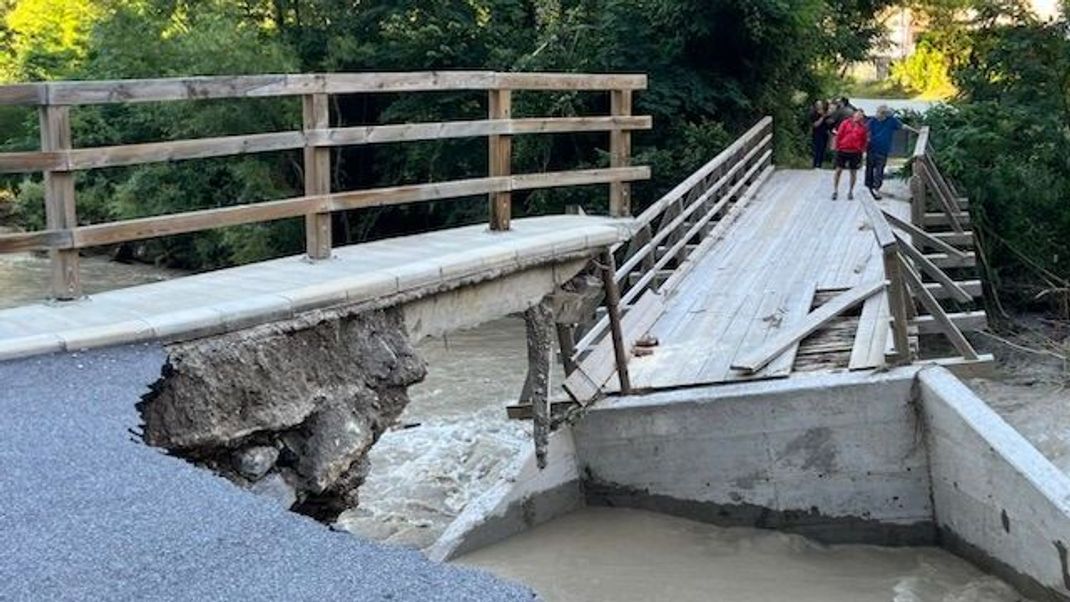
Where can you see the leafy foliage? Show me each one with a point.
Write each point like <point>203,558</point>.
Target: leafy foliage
<point>925,73</point>
<point>715,67</point>
<point>1007,140</point>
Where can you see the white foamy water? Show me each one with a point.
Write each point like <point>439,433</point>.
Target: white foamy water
<point>454,441</point>
<point>632,555</point>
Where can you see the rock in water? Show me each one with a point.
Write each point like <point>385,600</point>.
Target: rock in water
<point>322,387</point>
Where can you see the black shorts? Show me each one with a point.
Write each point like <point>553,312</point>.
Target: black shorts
<point>850,161</point>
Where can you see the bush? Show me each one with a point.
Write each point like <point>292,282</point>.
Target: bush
<point>925,73</point>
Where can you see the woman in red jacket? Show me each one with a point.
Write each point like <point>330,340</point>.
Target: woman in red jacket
<point>852,137</point>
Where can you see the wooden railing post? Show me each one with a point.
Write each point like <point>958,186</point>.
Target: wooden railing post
<point>918,202</point>
<point>620,154</point>
<point>317,161</point>
<point>60,211</point>
<point>500,158</point>
<point>897,303</point>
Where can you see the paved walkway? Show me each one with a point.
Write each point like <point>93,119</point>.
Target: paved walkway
<point>87,512</point>
<point>248,295</point>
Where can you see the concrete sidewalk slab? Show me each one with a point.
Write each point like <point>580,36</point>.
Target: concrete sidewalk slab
<point>244,296</point>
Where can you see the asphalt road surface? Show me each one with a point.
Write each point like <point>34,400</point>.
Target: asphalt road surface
<point>88,512</point>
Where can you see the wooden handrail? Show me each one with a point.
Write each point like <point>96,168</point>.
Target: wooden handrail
<point>681,219</point>
<point>59,158</point>
<point>298,84</point>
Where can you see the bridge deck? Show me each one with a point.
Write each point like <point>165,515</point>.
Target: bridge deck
<point>244,296</point>
<point>790,245</point>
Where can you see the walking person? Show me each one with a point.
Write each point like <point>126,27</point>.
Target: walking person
<point>882,128</point>
<point>852,138</point>
<point>819,132</point>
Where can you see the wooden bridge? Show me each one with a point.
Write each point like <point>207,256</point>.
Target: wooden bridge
<point>741,272</point>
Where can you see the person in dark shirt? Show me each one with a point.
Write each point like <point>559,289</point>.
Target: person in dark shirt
<point>819,132</point>
<point>882,128</point>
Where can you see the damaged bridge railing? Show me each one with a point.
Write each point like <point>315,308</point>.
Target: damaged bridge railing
<point>671,235</point>
<point>59,159</point>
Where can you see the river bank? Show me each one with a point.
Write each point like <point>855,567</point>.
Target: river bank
<point>24,276</point>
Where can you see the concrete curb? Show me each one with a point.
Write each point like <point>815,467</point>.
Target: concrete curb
<point>149,312</point>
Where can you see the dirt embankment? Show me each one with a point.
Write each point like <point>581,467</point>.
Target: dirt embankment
<point>288,409</point>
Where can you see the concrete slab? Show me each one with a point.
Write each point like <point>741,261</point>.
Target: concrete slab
<point>831,456</point>
<point>998,501</point>
<point>248,295</point>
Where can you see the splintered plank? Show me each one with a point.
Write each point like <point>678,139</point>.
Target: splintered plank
<point>789,313</point>
<point>588,380</point>
<point>759,358</point>
<point>871,339</point>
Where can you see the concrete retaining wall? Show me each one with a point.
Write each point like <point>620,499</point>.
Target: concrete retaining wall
<point>998,501</point>
<point>906,457</point>
<point>836,457</point>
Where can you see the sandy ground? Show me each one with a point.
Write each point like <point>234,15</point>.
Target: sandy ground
<point>1032,390</point>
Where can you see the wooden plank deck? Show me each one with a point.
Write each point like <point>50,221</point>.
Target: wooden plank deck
<point>760,280</point>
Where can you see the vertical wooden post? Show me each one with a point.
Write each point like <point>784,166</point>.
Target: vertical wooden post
<point>897,302</point>
<point>500,158</point>
<point>60,211</point>
<point>917,196</point>
<point>609,281</point>
<point>620,154</point>
<point>539,321</point>
<point>316,110</point>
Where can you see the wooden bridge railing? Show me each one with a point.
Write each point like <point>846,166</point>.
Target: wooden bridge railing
<point>929,183</point>
<point>904,262</point>
<point>690,215</point>
<point>59,158</point>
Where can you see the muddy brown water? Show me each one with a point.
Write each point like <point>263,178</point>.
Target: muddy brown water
<point>24,277</point>
<point>454,443</point>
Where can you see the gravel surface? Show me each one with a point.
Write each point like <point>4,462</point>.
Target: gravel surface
<point>87,512</point>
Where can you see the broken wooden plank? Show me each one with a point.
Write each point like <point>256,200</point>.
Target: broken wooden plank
<point>598,367</point>
<point>973,287</point>
<point>868,349</point>
<point>609,283</point>
<point>759,358</point>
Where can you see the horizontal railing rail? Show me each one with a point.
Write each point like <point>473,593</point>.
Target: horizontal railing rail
<point>69,93</point>
<point>59,159</point>
<point>691,214</point>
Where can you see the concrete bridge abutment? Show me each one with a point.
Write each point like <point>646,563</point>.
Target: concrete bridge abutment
<point>905,457</point>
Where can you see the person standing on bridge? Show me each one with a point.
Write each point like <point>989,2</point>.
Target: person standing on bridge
<point>852,138</point>
<point>819,132</point>
<point>882,128</point>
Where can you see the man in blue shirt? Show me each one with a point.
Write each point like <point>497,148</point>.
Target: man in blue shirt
<point>882,128</point>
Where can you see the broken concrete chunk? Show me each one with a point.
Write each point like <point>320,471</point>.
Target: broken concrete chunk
<point>255,462</point>
<point>321,388</point>
<point>332,439</point>
<point>276,488</point>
